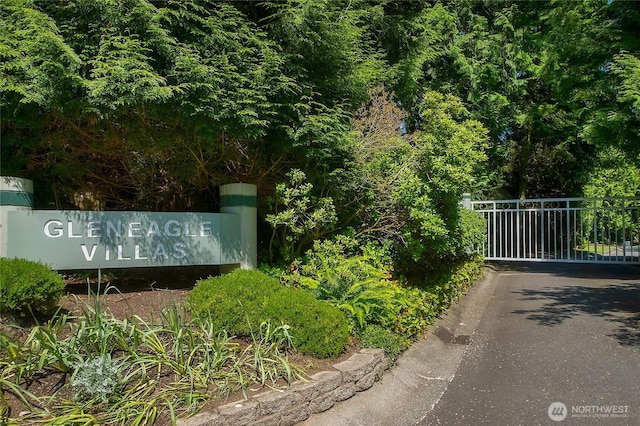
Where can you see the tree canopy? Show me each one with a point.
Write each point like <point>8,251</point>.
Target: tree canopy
<point>389,109</point>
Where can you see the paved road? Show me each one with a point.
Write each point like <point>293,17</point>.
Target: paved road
<point>527,336</point>
<point>551,333</point>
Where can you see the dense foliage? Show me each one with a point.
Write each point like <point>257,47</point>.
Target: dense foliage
<point>383,312</point>
<point>358,282</point>
<point>28,288</point>
<point>362,123</point>
<point>241,300</point>
<point>361,117</point>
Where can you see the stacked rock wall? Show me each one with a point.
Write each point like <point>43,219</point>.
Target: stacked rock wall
<point>302,399</point>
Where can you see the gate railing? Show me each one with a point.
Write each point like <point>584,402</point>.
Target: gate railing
<point>603,230</point>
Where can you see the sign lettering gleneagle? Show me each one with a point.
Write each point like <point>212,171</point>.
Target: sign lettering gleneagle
<point>85,240</point>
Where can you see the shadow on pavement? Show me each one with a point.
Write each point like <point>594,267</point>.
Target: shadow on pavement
<point>618,302</point>
<point>572,270</point>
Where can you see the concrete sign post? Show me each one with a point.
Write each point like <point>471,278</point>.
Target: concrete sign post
<point>74,239</point>
<point>241,199</point>
<point>16,194</point>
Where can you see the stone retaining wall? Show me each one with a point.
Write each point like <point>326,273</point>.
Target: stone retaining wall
<point>296,403</point>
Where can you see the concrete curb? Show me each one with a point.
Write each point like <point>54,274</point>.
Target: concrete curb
<point>302,398</point>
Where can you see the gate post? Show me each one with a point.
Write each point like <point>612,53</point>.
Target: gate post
<point>241,199</point>
<point>466,200</point>
<point>15,194</point>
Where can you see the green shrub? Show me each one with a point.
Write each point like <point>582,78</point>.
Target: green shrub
<point>393,344</point>
<point>357,280</point>
<point>299,217</point>
<point>418,308</point>
<point>453,282</point>
<point>416,312</point>
<point>27,286</point>
<point>243,299</point>
<point>355,283</point>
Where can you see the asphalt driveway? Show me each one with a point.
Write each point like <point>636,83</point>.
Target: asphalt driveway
<point>557,344</point>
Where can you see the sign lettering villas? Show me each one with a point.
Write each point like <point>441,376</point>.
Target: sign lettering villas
<point>116,231</point>
<point>80,239</point>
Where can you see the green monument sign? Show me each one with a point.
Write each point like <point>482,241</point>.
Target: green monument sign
<point>75,239</point>
<point>87,239</point>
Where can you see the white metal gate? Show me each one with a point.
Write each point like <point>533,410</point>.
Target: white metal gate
<point>603,230</point>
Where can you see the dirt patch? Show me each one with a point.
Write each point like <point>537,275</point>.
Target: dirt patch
<point>145,304</point>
